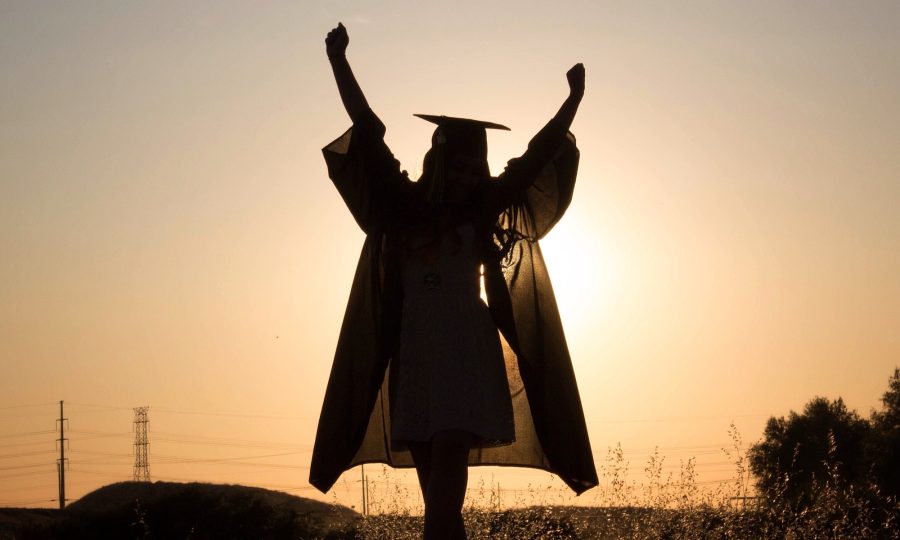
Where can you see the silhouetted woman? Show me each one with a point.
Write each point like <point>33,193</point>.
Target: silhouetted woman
<point>420,374</point>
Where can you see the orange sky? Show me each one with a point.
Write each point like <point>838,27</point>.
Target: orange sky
<point>169,236</point>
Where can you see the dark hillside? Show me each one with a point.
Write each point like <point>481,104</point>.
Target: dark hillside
<point>26,523</point>
<point>163,510</point>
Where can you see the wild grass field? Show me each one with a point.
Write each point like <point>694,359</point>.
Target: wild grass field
<point>660,505</point>
<point>666,505</point>
<point>670,505</point>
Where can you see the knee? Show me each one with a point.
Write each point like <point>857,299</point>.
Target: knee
<point>451,447</point>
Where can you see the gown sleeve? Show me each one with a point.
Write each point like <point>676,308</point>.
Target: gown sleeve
<point>534,190</point>
<point>532,195</point>
<point>366,174</point>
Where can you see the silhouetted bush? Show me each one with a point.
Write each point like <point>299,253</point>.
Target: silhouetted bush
<point>794,450</point>
<point>828,441</point>
<point>884,447</point>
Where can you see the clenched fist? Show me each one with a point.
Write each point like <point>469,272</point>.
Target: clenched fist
<point>576,80</point>
<point>336,42</point>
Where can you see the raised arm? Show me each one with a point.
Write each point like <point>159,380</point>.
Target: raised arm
<point>544,144</point>
<point>522,172</point>
<point>351,94</point>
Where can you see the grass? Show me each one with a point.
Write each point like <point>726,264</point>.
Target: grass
<point>663,505</point>
<point>670,506</point>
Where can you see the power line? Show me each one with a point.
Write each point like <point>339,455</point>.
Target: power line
<point>240,414</point>
<point>216,441</point>
<point>196,439</point>
<point>4,417</point>
<point>27,466</point>
<point>28,433</point>
<point>717,446</point>
<point>96,406</point>
<point>654,419</point>
<point>15,445</point>
<point>23,454</point>
<point>33,473</point>
<point>119,477</point>
<point>101,434</point>
<point>20,489</point>
<point>198,412</point>
<point>274,487</point>
<point>104,454</point>
<point>7,407</point>
<point>229,461</point>
<point>218,460</point>
<point>108,459</point>
<point>290,490</point>
<point>95,437</point>
<point>233,414</point>
<point>33,501</point>
<point>104,462</point>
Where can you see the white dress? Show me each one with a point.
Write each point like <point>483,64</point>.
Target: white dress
<point>450,372</point>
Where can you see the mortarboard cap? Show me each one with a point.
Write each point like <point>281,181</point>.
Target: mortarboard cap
<point>451,122</point>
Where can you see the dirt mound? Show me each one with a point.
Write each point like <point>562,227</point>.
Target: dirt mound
<point>197,511</point>
<point>23,523</point>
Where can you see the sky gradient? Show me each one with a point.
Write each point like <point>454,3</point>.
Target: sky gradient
<point>169,236</point>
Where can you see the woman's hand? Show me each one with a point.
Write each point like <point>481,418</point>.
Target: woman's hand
<point>336,42</point>
<point>576,80</point>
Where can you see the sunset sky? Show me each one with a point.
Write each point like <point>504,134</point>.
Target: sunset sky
<point>169,236</point>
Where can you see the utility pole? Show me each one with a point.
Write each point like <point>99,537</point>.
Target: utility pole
<point>365,491</point>
<point>61,464</point>
<point>141,442</point>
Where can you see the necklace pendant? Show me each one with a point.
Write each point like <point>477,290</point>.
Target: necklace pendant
<point>432,280</point>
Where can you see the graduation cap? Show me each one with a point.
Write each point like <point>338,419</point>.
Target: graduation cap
<point>451,137</point>
<point>461,123</point>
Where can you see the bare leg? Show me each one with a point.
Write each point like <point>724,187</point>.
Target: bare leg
<point>421,454</point>
<point>446,487</point>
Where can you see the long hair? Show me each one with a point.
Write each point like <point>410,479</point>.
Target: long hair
<point>431,183</point>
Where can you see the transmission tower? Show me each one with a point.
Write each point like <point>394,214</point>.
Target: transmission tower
<point>141,444</point>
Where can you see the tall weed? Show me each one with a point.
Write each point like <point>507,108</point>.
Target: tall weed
<point>671,505</point>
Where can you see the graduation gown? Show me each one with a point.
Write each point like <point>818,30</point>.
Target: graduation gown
<point>517,209</point>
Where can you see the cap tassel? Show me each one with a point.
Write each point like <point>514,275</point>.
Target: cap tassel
<point>435,193</point>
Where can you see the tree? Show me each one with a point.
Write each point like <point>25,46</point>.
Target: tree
<point>884,447</point>
<point>797,450</point>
